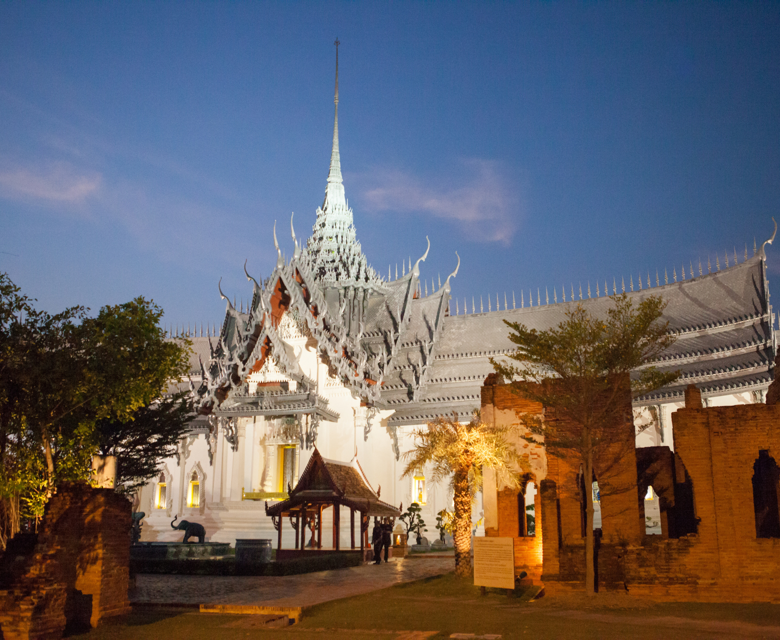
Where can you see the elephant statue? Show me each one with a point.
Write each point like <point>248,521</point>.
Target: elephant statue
<point>191,529</point>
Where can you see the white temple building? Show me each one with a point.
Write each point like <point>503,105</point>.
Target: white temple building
<point>329,353</point>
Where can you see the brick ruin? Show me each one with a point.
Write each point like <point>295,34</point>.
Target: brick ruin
<point>73,572</point>
<point>718,493</point>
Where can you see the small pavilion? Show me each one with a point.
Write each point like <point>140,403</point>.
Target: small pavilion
<point>324,484</point>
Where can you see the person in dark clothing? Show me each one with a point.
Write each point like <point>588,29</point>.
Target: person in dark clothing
<point>377,539</point>
<point>387,536</point>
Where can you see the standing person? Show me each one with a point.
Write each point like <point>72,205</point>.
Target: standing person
<point>377,538</point>
<point>387,537</point>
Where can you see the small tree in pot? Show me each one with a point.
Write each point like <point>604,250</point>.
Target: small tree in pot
<point>413,522</point>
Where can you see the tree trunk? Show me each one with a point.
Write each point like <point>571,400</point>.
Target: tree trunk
<point>49,463</point>
<point>462,523</point>
<point>590,576</point>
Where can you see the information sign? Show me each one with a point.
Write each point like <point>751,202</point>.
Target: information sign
<point>494,562</point>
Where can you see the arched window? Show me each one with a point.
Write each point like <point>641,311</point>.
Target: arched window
<point>193,494</point>
<point>161,495</point>
<point>652,513</point>
<point>418,489</point>
<point>529,507</point>
<point>766,475</point>
<point>594,487</point>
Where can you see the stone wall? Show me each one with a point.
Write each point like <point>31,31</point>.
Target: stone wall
<point>74,572</point>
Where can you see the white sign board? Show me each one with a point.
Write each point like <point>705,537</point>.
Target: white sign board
<point>494,562</point>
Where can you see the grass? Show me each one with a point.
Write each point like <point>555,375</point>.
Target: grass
<point>448,605</point>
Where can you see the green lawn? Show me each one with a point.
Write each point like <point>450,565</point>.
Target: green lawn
<point>447,605</point>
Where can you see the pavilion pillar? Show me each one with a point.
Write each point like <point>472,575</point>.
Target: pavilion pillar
<point>336,525</point>
<point>362,547</point>
<point>352,526</point>
<point>319,527</point>
<point>303,527</point>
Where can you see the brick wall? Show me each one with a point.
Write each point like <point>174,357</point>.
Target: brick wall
<point>710,555</point>
<point>74,572</point>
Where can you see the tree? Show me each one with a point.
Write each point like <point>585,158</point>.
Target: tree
<point>61,374</point>
<point>141,443</point>
<point>413,521</point>
<point>584,372</point>
<point>459,451</point>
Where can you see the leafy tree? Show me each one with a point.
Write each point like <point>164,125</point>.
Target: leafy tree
<point>459,451</point>
<point>61,374</point>
<point>584,371</point>
<point>141,443</point>
<point>444,523</point>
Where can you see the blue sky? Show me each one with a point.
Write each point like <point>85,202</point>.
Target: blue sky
<point>147,148</point>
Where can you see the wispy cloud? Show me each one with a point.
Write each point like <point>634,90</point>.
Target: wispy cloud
<point>57,182</point>
<point>477,198</point>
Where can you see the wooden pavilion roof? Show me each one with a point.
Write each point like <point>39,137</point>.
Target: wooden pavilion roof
<point>329,482</point>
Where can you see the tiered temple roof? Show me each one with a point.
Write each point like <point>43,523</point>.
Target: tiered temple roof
<point>397,349</point>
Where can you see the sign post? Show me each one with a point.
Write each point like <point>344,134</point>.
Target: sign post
<point>494,562</point>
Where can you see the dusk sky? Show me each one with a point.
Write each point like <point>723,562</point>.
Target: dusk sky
<point>147,148</point>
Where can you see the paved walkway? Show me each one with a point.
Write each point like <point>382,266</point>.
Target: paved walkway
<point>283,591</point>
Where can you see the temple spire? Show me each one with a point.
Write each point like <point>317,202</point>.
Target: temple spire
<point>334,195</point>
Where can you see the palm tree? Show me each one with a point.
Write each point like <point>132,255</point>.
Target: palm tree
<point>460,450</point>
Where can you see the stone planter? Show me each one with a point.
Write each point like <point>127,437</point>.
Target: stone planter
<point>249,551</point>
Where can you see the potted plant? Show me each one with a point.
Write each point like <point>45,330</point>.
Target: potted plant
<point>444,523</point>
<point>413,522</point>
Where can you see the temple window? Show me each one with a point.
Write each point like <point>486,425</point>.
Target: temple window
<point>161,495</point>
<point>652,513</point>
<point>286,467</point>
<point>193,494</point>
<point>766,476</point>
<point>418,489</point>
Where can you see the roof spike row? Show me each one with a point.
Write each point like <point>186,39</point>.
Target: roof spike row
<point>666,276</point>
<point>555,296</point>
<point>690,264</point>
<point>396,271</point>
<point>426,289</point>
<point>598,292</point>
<point>726,253</point>
<point>457,309</point>
<point>649,286</point>
<point>700,269</point>
<point>410,257</point>
<point>581,291</point>
<point>490,308</point>
<point>588,289</point>
<point>506,306</point>
<point>439,276</point>
<point>538,297</point>
<point>709,264</point>
<point>614,287</point>
<point>683,272</point>
<point>606,288</point>
<point>622,284</point>
<point>735,255</point>
<point>465,306</point>
<point>498,307</point>
<point>572,292</point>
<point>514,305</point>
<point>481,305</point>
<point>717,262</point>
<point>473,307</point>
<point>674,273</point>
<point>389,273</point>
<point>746,252</point>
<point>403,268</point>
<point>755,249</point>
<point>522,299</point>
<point>632,282</point>
<point>546,296</point>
